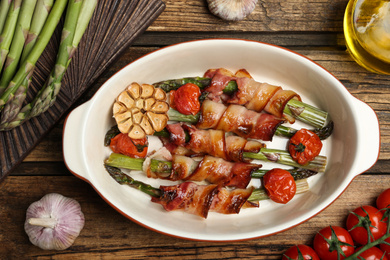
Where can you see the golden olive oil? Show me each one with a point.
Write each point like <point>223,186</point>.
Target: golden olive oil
<point>367,33</point>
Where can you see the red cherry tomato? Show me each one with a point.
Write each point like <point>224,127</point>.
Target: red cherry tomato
<point>333,243</point>
<point>300,252</point>
<point>366,216</point>
<point>383,200</point>
<point>136,148</point>
<point>372,253</point>
<point>304,146</point>
<point>186,99</point>
<point>280,185</point>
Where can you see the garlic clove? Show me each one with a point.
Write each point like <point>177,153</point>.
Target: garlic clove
<point>137,132</point>
<point>158,121</point>
<point>147,91</point>
<point>134,90</point>
<point>54,222</point>
<point>159,94</point>
<point>231,10</point>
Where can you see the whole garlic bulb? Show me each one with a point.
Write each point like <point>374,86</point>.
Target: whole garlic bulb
<point>54,222</point>
<point>232,10</point>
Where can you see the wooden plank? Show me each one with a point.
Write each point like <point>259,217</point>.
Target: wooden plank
<point>287,39</point>
<point>107,234</point>
<point>268,16</point>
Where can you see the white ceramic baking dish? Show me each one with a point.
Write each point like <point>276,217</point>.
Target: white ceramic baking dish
<point>352,149</point>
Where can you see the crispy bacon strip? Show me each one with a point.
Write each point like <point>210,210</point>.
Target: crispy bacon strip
<point>211,142</point>
<point>252,94</point>
<point>187,196</point>
<point>239,120</point>
<point>202,199</point>
<point>231,201</point>
<point>211,169</point>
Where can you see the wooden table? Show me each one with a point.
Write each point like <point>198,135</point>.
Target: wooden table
<point>312,28</point>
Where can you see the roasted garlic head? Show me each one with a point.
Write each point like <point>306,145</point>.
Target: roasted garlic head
<point>141,110</point>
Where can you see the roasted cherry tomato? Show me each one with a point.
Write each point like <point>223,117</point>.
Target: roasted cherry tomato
<point>372,253</point>
<point>186,99</point>
<point>136,148</point>
<point>333,243</point>
<point>300,252</point>
<point>362,217</point>
<point>383,200</point>
<point>280,185</point>
<point>304,146</point>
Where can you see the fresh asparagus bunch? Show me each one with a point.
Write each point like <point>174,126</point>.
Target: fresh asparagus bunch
<point>297,109</point>
<point>124,179</point>
<point>78,15</point>
<point>28,64</point>
<point>40,15</point>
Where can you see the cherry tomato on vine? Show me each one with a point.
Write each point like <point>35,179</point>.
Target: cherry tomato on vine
<point>362,217</point>
<point>136,148</point>
<point>372,253</point>
<point>300,252</point>
<point>186,99</point>
<point>383,200</point>
<point>304,146</point>
<point>333,243</point>
<point>280,185</point>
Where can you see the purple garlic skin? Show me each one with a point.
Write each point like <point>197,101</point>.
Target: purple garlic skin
<point>231,10</point>
<point>54,222</point>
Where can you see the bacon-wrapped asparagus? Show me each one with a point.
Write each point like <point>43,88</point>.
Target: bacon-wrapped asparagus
<point>202,199</point>
<point>232,148</point>
<point>281,130</point>
<point>240,88</point>
<point>199,199</point>
<point>184,139</point>
<point>181,168</point>
<point>211,169</point>
<point>239,120</point>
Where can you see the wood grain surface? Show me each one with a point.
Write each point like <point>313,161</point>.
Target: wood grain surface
<point>311,28</point>
<point>114,25</point>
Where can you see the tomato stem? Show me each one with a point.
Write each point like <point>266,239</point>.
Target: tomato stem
<point>371,244</point>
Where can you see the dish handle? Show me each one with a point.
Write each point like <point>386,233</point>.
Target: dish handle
<point>72,142</point>
<point>368,140</point>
